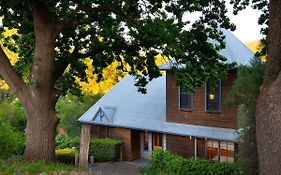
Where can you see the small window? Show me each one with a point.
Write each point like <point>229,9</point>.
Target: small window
<point>213,97</point>
<point>186,99</point>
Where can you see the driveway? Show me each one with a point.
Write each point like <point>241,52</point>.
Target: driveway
<point>118,168</point>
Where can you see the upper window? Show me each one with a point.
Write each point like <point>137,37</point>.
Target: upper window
<point>186,99</point>
<point>213,97</point>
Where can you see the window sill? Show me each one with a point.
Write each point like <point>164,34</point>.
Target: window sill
<point>218,112</point>
<point>186,110</point>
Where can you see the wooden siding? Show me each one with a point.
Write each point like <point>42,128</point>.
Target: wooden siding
<point>182,146</point>
<point>198,116</point>
<point>131,139</point>
<point>201,148</point>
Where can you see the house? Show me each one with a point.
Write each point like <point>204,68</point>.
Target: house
<point>168,118</point>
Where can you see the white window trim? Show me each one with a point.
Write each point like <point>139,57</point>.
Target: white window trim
<point>179,96</point>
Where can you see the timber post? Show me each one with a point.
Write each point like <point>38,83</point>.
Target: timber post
<point>84,146</point>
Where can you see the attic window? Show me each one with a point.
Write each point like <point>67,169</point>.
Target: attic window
<point>100,117</point>
<point>185,99</point>
<point>213,97</point>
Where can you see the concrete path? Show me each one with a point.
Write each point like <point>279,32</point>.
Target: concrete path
<point>118,168</point>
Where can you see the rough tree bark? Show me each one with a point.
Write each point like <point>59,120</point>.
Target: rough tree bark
<point>40,108</point>
<point>268,109</point>
<point>38,96</point>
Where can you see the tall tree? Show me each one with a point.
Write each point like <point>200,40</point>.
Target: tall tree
<point>268,111</point>
<point>53,38</point>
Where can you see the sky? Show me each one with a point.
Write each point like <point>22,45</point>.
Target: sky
<point>247,28</point>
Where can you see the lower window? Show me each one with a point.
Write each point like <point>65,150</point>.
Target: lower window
<point>220,150</point>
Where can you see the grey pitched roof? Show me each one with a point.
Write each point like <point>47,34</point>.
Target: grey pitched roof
<point>146,111</point>
<point>234,51</point>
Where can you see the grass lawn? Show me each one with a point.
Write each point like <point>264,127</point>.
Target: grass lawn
<point>15,165</point>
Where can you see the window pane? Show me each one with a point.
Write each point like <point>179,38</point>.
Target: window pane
<point>212,150</point>
<point>213,97</point>
<point>185,101</point>
<point>227,152</point>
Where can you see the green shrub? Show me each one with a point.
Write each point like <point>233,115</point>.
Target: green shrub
<point>166,163</point>
<point>67,142</point>
<point>66,155</point>
<point>105,149</point>
<point>11,142</point>
<point>70,108</point>
<point>13,111</point>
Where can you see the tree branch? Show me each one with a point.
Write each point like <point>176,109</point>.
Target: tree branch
<point>71,20</point>
<point>14,81</point>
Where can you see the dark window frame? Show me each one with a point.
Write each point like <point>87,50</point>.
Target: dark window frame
<point>191,100</point>
<point>219,99</point>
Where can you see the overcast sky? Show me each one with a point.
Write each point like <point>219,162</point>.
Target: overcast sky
<point>247,28</point>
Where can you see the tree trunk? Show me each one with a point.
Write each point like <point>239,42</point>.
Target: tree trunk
<point>41,97</point>
<point>268,109</point>
<point>40,137</point>
<point>40,130</point>
<point>268,115</point>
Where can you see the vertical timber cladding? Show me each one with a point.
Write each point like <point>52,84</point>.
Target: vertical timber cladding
<point>184,146</point>
<point>198,116</point>
<point>131,139</point>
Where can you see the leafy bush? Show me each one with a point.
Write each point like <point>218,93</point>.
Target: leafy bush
<point>105,149</point>
<point>66,155</point>
<point>11,142</point>
<point>166,163</point>
<point>13,111</point>
<point>70,108</point>
<point>67,142</point>
<point>17,166</point>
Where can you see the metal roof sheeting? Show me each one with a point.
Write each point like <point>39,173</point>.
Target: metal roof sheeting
<point>234,51</point>
<point>146,111</point>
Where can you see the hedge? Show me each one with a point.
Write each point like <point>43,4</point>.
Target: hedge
<point>67,142</point>
<point>66,155</point>
<point>165,163</point>
<point>105,150</point>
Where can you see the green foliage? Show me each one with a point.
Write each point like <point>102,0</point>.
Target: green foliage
<point>105,149</point>
<point>17,166</point>
<point>244,94</point>
<point>12,111</point>
<point>67,142</point>
<point>11,142</point>
<point>70,108</point>
<point>66,155</point>
<point>131,33</point>
<point>165,163</point>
